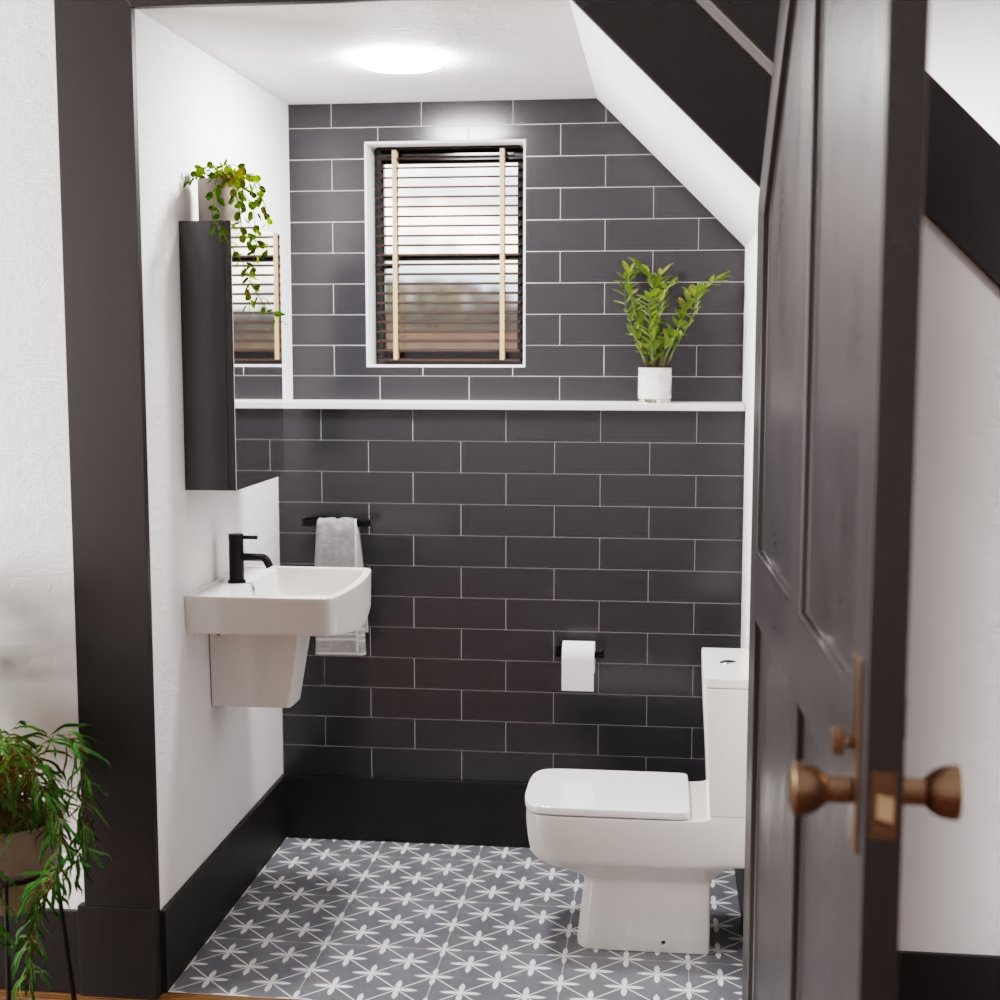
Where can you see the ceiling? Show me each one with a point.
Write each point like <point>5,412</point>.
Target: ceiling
<point>505,49</point>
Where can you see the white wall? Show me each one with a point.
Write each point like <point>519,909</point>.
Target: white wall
<point>950,891</point>
<point>212,764</point>
<point>37,628</point>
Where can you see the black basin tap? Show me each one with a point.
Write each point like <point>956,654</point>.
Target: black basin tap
<point>237,557</point>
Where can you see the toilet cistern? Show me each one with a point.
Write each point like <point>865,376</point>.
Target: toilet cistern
<point>237,557</point>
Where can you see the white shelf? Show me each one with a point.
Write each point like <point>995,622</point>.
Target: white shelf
<point>604,405</point>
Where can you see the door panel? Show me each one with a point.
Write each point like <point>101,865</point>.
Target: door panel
<point>840,213</point>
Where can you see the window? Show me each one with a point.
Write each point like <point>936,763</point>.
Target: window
<point>447,261</point>
<point>257,335</point>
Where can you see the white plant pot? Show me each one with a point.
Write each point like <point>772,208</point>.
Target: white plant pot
<point>655,385</point>
<point>226,211</point>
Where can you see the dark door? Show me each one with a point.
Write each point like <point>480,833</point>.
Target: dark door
<point>841,202</point>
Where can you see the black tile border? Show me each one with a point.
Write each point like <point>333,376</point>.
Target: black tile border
<point>933,975</point>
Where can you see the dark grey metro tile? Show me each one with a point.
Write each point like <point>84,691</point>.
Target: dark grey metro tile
<point>416,519</point>
<point>699,265</point>
<point>329,330</point>
<point>720,491</point>
<point>460,735</point>
<point>636,553</point>
<point>484,644</point>
<point>506,519</point>
<point>561,615</point>
<point>638,169</point>
<point>300,486</point>
<point>726,298</point>
<point>477,766</point>
<point>576,234</point>
<point>608,203</point>
<point>564,171</point>
<point>697,459</point>
<point>450,425</point>
<point>501,456</point>
<point>253,455</point>
<point>432,764</point>
<point>599,328</point>
<point>685,649</point>
<point>611,458</point>
<point>601,761</point>
<point>595,265</point>
<point>368,671</point>
<point>417,581</point>
<point>244,479</point>
<point>602,522</point>
<point>389,611</point>
<point>405,703</point>
<point>721,427</point>
<point>425,387</point>
<point>450,550</point>
<point>540,737</point>
<point>354,762</point>
<point>323,455</point>
<point>433,642</point>
<point>648,491</point>
<point>297,548</point>
<point>367,487</point>
<point>312,237</point>
<point>304,730</point>
<point>506,582</point>
<point>598,387</point>
<point>720,361</point>
<point>291,514</point>
<point>508,387</point>
<point>718,555</point>
<point>459,612</point>
<point>277,423</point>
<point>348,236</point>
<point>414,456</point>
<point>549,360</point>
<point>644,616</point>
<point>346,701</point>
<point>712,235</point>
<point>645,741</point>
<point>607,709</point>
<point>721,619</point>
<point>313,360</point>
<point>541,203</point>
<point>717,328</point>
<point>653,234</point>
<point>387,550</point>
<point>444,487</point>
<point>693,767</point>
<point>463,675</point>
<point>562,297</point>
<point>368,425</point>
<point>507,706</point>
<point>620,647</point>
<point>690,586</point>
<point>648,426</point>
<point>328,143</point>
<point>312,299</point>
<point>559,111</point>
<point>678,203</point>
<point>619,360</point>
<point>327,268</point>
<point>696,522</point>
<point>555,553</point>
<point>327,206</point>
<point>541,267</point>
<point>540,426</point>
<point>528,676</point>
<point>467,112</point>
<point>368,115</point>
<point>642,678</point>
<point>334,387</point>
<point>601,584</point>
<point>539,488</point>
<point>344,732</point>
<point>309,116</point>
<point>675,711</point>
<point>310,175</point>
<point>539,140</point>
<point>603,138</point>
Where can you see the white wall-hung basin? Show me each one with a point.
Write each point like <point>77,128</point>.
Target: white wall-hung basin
<point>259,630</point>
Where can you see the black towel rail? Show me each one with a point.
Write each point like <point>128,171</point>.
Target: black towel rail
<point>363,522</point>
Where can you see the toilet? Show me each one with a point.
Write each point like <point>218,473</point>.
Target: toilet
<point>648,843</point>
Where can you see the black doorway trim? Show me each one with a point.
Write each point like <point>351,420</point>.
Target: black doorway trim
<point>118,926</point>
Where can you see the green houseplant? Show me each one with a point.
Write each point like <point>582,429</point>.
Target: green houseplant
<point>656,326</point>
<point>48,811</point>
<point>230,193</point>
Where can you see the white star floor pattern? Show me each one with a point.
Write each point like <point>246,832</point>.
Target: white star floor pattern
<point>373,920</point>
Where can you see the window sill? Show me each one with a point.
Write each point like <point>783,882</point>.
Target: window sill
<point>609,405</point>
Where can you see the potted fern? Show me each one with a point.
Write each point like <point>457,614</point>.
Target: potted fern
<point>48,810</point>
<point>656,327</point>
<point>230,193</point>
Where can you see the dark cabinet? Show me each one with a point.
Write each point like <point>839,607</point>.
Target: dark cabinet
<point>207,345</point>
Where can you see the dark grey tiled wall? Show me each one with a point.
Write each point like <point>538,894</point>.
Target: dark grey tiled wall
<point>594,196</point>
<point>494,535</point>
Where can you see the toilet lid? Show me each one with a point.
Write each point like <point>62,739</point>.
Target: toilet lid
<point>622,794</point>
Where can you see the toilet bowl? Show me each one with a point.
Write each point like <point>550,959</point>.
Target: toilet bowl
<point>649,843</point>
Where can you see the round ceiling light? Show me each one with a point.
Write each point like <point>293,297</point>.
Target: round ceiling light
<point>400,58</point>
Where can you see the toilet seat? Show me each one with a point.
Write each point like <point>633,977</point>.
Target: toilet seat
<point>649,795</point>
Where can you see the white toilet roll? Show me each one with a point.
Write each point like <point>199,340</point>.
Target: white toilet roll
<point>579,664</point>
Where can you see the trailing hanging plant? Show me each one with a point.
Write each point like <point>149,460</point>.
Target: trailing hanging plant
<point>645,298</point>
<point>232,188</point>
<point>46,789</point>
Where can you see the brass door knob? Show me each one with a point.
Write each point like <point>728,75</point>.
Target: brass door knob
<point>809,788</point>
<point>940,791</point>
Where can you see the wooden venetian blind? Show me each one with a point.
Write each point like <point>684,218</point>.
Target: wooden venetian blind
<point>449,227</point>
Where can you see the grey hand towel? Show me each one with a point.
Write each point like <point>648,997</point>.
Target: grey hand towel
<point>338,543</point>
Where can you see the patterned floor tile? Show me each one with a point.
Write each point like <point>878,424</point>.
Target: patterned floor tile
<point>367,920</point>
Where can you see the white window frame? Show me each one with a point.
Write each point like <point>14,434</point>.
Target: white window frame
<point>371,249</point>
